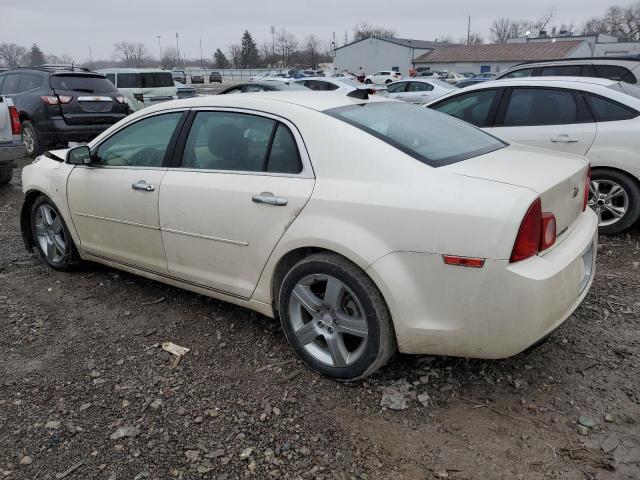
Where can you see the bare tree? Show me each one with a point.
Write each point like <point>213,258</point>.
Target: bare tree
<point>474,39</point>
<point>131,54</point>
<point>620,22</point>
<point>286,45</point>
<point>312,50</point>
<point>235,52</point>
<point>12,55</point>
<point>170,58</point>
<point>504,28</point>
<point>365,30</point>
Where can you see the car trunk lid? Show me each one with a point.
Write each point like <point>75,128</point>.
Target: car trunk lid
<point>93,99</point>
<point>558,178</point>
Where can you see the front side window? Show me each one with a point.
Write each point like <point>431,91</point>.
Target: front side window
<point>129,80</point>
<point>142,144</point>
<point>427,136</point>
<point>396,87</point>
<point>606,110</point>
<point>10,86</point>
<point>472,107</point>
<point>540,106</point>
<point>240,142</point>
<point>419,87</point>
<point>524,72</point>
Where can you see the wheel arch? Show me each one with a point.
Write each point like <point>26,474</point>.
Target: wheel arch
<point>25,218</point>
<point>596,168</point>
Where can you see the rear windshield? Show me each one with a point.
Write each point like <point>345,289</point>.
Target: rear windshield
<point>81,83</point>
<point>145,80</point>
<point>433,138</point>
<point>289,86</point>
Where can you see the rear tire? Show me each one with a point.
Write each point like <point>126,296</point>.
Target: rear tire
<point>30,139</point>
<point>368,81</point>
<point>6,174</point>
<point>335,318</point>
<point>614,193</point>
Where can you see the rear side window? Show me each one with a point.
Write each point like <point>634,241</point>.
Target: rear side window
<point>81,83</point>
<point>284,157</point>
<point>607,110</point>
<point>425,135</point>
<point>29,81</point>
<point>320,85</point>
<point>561,71</point>
<point>615,72</point>
<point>111,77</point>
<point>10,86</point>
<point>240,142</point>
<point>542,106</point>
<point>472,107</point>
<point>524,72</point>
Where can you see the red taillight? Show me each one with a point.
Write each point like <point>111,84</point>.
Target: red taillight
<point>49,99</point>
<point>120,99</point>
<point>463,261</point>
<point>65,98</point>
<point>15,121</point>
<point>537,233</point>
<point>587,184</point>
<point>548,236</point>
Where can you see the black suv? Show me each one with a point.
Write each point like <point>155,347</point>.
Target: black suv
<point>58,105</point>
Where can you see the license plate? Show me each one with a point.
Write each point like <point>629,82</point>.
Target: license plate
<point>586,269</point>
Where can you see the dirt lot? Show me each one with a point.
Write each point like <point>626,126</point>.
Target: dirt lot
<point>81,366</point>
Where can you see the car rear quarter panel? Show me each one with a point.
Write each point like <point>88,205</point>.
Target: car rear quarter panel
<point>370,199</point>
<point>617,145</point>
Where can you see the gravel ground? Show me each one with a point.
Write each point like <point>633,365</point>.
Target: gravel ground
<point>86,392</point>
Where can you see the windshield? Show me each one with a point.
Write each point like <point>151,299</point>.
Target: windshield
<point>628,88</point>
<point>81,83</point>
<point>428,136</point>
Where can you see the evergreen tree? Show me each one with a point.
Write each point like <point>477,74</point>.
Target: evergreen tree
<point>36,57</point>
<point>220,59</point>
<point>250,54</point>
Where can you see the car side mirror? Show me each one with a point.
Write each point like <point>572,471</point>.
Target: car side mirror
<point>79,156</point>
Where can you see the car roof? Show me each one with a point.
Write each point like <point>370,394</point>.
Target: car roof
<point>605,82</point>
<point>133,70</point>
<point>312,100</point>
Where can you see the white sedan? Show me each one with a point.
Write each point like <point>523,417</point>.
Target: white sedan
<point>594,117</point>
<point>419,90</point>
<point>332,84</point>
<point>363,225</point>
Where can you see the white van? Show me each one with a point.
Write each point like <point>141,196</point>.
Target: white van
<point>142,86</point>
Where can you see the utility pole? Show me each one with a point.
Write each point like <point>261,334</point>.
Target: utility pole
<point>345,37</point>
<point>469,31</point>
<point>273,41</point>
<point>178,48</point>
<point>91,58</point>
<point>159,49</point>
<point>201,60</point>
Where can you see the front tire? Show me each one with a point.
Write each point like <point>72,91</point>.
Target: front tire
<point>335,318</point>
<point>30,139</point>
<point>615,197</point>
<point>51,235</point>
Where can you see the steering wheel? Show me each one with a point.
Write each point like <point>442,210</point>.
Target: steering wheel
<point>148,157</point>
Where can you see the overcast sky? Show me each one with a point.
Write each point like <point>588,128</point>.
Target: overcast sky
<point>72,26</point>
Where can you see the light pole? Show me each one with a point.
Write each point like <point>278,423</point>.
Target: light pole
<point>201,60</point>
<point>160,50</point>
<point>177,48</point>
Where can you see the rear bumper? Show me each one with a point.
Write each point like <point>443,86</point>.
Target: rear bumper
<point>57,131</point>
<point>10,153</point>
<point>492,312</point>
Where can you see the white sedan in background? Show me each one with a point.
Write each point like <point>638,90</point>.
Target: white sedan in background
<point>594,117</point>
<point>419,90</point>
<point>338,85</point>
<point>363,225</point>
<point>383,77</point>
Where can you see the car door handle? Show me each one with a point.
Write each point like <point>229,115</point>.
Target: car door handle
<point>144,186</point>
<point>270,199</point>
<point>565,139</point>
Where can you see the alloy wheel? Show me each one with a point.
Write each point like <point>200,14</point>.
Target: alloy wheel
<point>29,140</point>
<point>328,320</point>
<point>609,200</point>
<point>50,233</point>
